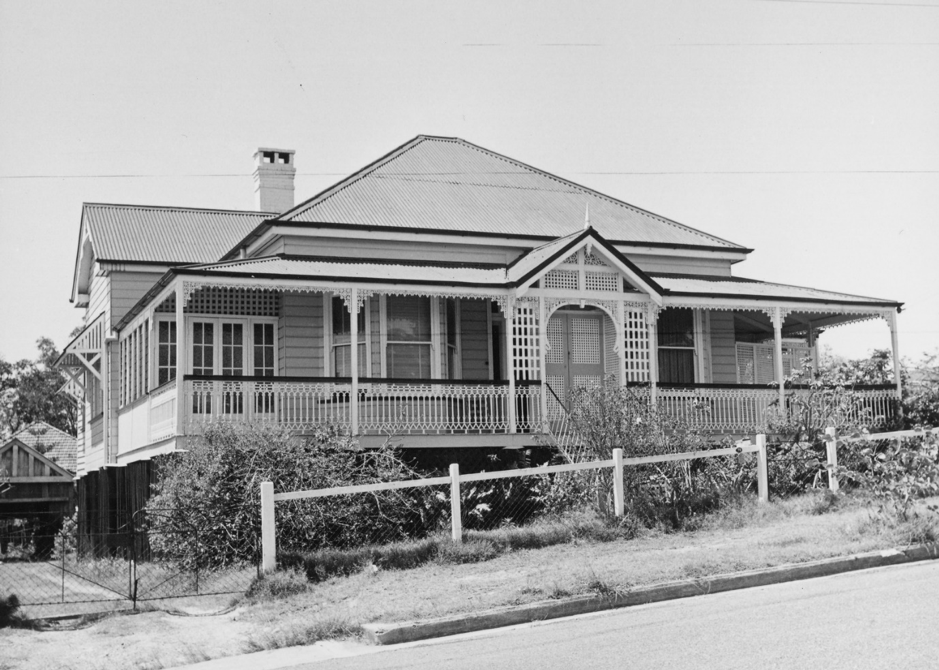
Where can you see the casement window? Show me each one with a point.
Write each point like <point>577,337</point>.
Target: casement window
<point>409,340</point>
<point>264,350</point>
<point>676,345</point>
<point>165,351</point>
<point>341,346</point>
<point>232,347</point>
<point>134,360</point>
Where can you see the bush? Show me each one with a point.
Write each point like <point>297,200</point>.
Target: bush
<point>669,493</point>
<point>9,615</point>
<point>205,509</point>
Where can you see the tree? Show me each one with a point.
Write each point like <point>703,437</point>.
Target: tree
<point>29,392</point>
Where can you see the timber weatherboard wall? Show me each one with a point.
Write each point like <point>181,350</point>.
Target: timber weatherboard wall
<point>679,264</point>
<point>300,335</point>
<point>127,288</point>
<point>458,251</point>
<point>723,348</point>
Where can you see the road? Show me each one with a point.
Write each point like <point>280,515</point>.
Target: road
<point>882,618</point>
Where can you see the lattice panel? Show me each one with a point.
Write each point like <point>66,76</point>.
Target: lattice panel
<point>227,301</point>
<point>559,386</point>
<point>601,281</point>
<point>590,259</point>
<point>566,279</point>
<point>527,356</point>
<point>557,352</point>
<point>585,341</point>
<point>637,347</point>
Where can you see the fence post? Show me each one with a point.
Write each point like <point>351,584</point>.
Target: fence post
<point>831,445</point>
<point>619,504</point>
<point>762,477</point>
<point>456,520</point>
<point>268,531</point>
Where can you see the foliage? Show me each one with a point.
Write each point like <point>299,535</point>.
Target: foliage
<point>671,493</point>
<point>29,392</point>
<point>9,615</point>
<point>205,511</point>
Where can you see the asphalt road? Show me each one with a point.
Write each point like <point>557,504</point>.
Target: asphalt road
<point>882,618</point>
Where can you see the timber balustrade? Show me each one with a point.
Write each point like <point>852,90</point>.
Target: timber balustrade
<point>401,406</point>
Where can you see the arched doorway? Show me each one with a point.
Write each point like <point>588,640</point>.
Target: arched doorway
<point>582,352</point>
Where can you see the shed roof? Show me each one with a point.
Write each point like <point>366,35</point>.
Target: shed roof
<point>56,445</point>
<point>165,235</point>
<point>446,184</point>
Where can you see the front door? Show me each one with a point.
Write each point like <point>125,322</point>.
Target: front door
<point>575,357</point>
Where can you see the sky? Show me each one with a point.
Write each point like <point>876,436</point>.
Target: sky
<point>807,130</point>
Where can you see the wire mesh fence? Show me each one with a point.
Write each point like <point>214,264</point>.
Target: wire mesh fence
<point>48,559</point>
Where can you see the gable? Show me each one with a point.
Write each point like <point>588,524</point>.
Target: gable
<point>21,462</point>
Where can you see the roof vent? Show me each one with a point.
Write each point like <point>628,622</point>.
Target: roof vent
<point>273,179</point>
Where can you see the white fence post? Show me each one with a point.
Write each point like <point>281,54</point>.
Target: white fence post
<point>456,520</point>
<point>268,531</point>
<point>762,477</point>
<point>619,504</point>
<point>831,445</point>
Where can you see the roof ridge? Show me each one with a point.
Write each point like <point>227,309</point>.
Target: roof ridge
<point>175,207</point>
<point>46,425</point>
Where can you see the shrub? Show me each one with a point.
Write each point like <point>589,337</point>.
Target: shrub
<point>610,416</point>
<point>205,509</point>
<point>9,615</point>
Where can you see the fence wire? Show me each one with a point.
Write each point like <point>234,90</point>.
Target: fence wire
<point>47,559</point>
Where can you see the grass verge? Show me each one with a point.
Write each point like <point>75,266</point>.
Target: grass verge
<point>514,566</point>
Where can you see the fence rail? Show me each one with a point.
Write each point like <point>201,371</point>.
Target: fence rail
<point>269,498</point>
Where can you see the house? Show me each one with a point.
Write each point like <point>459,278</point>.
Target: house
<point>37,489</point>
<point>444,293</point>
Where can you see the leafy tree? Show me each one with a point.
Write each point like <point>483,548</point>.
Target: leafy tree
<point>29,392</point>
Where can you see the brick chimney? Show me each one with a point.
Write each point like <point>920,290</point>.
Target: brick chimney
<point>273,179</point>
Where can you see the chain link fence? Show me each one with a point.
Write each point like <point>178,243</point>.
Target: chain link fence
<point>67,565</point>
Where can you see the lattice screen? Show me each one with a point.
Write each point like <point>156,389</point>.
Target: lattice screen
<point>601,281</point>
<point>228,301</point>
<point>559,386</point>
<point>566,279</point>
<point>755,363</point>
<point>585,341</point>
<point>637,347</point>
<point>525,343</point>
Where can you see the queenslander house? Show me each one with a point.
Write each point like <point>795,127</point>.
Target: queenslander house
<point>445,293</point>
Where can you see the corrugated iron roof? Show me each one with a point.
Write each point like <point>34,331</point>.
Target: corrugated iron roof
<point>353,269</point>
<point>56,445</point>
<point>448,184</point>
<point>740,287</point>
<point>171,235</point>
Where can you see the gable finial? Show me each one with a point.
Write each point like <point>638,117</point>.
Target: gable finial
<point>587,217</point>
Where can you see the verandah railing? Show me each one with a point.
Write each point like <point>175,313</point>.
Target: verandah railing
<point>402,406</point>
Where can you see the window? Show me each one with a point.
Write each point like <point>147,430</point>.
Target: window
<point>676,346</point>
<point>408,352</point>
<point>264,349</point>
<point>166,351</point>
<point>342,340</point>
<point>203,348</point>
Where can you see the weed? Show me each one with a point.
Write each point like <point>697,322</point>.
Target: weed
<point>327,628</point>
<point>280,584</point>
<point>472,551</point>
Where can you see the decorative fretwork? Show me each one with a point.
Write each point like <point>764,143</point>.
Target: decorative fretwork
<point>590,259</point>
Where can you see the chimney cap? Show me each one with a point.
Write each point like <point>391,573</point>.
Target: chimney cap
<point>269,155</point>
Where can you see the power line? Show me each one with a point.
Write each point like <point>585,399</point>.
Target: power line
<point>445,174</point>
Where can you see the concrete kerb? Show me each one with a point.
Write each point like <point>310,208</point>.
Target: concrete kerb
<point>396,633</point>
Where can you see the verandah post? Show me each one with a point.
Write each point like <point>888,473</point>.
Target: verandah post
<point>268,529</point>
<point>353,308</point>
<point>510,359</point>
<point>762,478</point>
<point>777,318</point>
<point>619,502</point>
<point>456,515</point>
<point>180,357</point>
<point>831,446</point>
